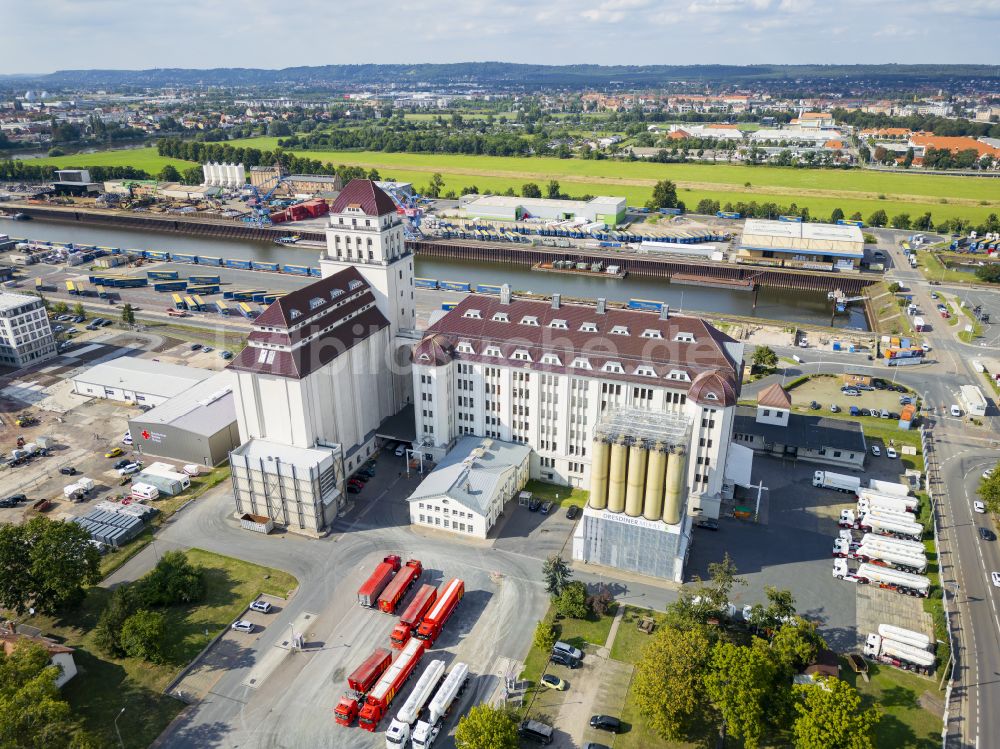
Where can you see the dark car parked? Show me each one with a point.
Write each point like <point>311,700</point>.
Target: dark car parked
<point>707,524</point>
<point>534,504</point>
<point>987,535</point>
<point>564,659</point>
<point>572,512</point>
<point>606,723</point>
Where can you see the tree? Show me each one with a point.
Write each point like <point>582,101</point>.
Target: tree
<point>32,711</point>
<point>108,633</point>
<point>765,359</point>
<point>894,287</point>
<point>128,314</point>
<point>437,183</point>
<point>46,563</point>
<point>908,158</point>
<point>143,634</point>
<point>486,727</point>
<point>830,716</point>
<point>169,173</point>
<point>664,196</point>
<point>601,601</point>
<point>878,218</point>
<point>552,190</point>
<point>669,683</point>
<point>856,216</point>
<point>173,580</point>
<point>923,223</point>
<point>60,308</point>
<point>989,491</point>
<point>557,574</point>
<point>78,310</point>
<point>989,273</point>
<point>796,645</point>
<point>278,128</point>
<point>837,215</point>
<point>545,636</point>
<point>901,221</point>
<point>531,190</point>
<point>572,601</point>
<point>780,609</point>
<point>723,578</point>
<point>740,684</point>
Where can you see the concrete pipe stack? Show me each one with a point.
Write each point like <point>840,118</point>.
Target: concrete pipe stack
<point>599,474</point>
<point>674,490</point>
<point>617,477</point>
<point>652,505</point>
<point>636,482</point>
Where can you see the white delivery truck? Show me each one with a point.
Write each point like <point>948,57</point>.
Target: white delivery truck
<point>839,481</point>
<point>889,487</point>
<point>398,734</point>
<point>426,731</point>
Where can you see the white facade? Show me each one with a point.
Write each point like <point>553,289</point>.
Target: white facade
<point>229,176</point>
<point>132,380</point>
<point>25,334</point>
<point>468,491</point>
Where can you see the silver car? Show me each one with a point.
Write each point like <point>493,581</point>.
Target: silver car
<point>241,625</point>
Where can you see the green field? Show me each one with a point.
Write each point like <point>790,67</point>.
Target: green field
<point>140,158</point>
<point>819,190</point>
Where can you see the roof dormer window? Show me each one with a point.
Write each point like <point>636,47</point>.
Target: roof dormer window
<point>465,347</point>
<point>678,374</point>
<point>500,317</point>
<point>472,314</point>
<point>619,330</point>
<point>335,293</point>
<point>650,333</point>
<point>493,351</point>
<point>558,325</point>
<point>521,355</point>
<point>354,284</point>
<point>684,337</point>
<point>613,367</point>
<point>645,371</point>
<point>581,363</point>
<point>588,327</point>
<point>551,359</point>
<point>316,301</point>
<point>530,320</point>
<point>294,313</point>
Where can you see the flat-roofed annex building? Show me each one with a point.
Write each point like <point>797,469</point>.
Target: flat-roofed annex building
<point>804,244</point>
<point>143,381</point>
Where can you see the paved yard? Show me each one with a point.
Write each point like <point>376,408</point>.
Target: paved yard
<point>826,391</point>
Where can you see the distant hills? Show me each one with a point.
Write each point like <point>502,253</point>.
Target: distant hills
<point>515,76</point>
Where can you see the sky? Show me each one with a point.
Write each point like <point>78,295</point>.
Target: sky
<point>40,36</point>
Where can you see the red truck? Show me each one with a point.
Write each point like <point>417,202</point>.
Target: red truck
<point>413,615</point>
<point>382,694</point>
<point>447,602</point>
<point>400,584</point>
<point>359,683</point>
<point>369,592</point>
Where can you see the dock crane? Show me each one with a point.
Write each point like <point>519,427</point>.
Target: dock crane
<point>260,203</point>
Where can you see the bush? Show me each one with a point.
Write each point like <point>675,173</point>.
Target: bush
<point>572,601</point>
<point>545,636</point>
<point>173,580</point>
<point>108,632</point>
<point>143,634</point>
<point>602,601</point>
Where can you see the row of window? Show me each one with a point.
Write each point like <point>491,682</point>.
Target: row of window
<point>444,523</point>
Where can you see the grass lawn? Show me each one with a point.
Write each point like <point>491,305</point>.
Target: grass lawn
<point>630,640</point>
<point>563,496</point>
<point>104,684</point>
<point>905,723</point>
<point>935,270</point>
<point>141,158</point>
<point>641,736</point>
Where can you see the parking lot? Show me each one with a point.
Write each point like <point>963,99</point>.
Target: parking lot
<point>826,391</point>
<point>792,549</point>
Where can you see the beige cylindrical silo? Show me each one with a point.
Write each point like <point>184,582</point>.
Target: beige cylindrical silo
<point>599,474</point>
<point>674,493</point>
<point>652,505</point>
<point>616,478</point>
<point>636,480</point>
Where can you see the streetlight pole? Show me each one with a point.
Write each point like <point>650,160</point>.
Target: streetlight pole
<point>120,742</point>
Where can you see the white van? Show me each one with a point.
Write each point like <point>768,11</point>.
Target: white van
<point>955,410</point>
<point>145,491</point>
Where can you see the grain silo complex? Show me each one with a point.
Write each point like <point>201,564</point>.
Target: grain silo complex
<point>636,518</point>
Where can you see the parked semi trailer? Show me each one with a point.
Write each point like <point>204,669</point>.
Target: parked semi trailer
<point>914,547</point>
<point>400,584</point>
<point>398,733</point>
<point>907,504</point>
<point>917,564</point>
<point>884,510</point>
<point>899,654</point>
<point>889,487</point>
<point>908,636</point>
<point>384,692</point>
<point>886,525</point>
<point>839,481</point>
<point>441,611</point>
<point>426,731</point>
<point>361,680</point>
<point>413,615</point>
<point>902,582</point>
<point>375,584</point>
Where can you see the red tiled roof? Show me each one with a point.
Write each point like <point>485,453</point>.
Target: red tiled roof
<point>705,354</point>
<point>279,313</point>
<point>10,640</point>
<point>367,196</point>
<point>953,144</point>
<point>774,396</point>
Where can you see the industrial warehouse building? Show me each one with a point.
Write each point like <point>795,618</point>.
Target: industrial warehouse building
<point>467,491</point>
<point>801,245</point>
<point>607,210</point>
<point>772,429</point>
<point>197,426</point>
<point>143,381</point>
